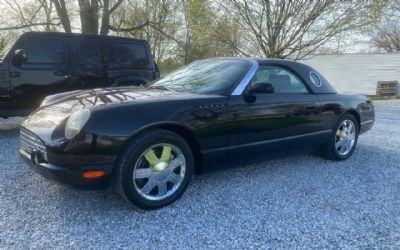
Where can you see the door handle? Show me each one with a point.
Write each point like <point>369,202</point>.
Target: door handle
<point>311,106</point>
<point>60,73</point>
<point>15,74</point>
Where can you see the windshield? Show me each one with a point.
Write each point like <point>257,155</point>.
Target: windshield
<point>206,77</point>
<point>7,48</point>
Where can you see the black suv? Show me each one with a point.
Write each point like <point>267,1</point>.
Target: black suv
<point>44,63</point>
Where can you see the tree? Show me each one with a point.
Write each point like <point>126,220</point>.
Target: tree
<point>387,36</point>
<point>181,31</point>
<point>89,13</point>
<point>184,29</point>
<point>28,16</point>
<point>296,29</point>
<point>197,23</point>
<point>47,7</point>
<point>62,13</point>
<point>94,15</point>
<point>152,20</point>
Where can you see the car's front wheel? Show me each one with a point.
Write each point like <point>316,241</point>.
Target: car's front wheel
<point>343,140</point>
<point>154,170</point>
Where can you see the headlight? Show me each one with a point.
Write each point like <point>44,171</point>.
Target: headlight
<point>76,122</point>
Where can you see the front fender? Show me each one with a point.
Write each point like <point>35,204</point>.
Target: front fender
<point>116,124</point>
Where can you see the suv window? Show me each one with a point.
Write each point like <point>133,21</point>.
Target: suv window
<point>281,79</point>
<point>86,54</point>
<point>44,51</point>
<point>125,54</point>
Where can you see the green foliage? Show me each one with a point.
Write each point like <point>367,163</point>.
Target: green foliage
<point>7,39</point>
<point>168,65</point>
<point>2,44</point>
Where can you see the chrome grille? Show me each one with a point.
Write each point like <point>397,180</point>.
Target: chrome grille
<point>29,142</point>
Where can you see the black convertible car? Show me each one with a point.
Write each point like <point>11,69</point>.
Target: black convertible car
<point>150,140</point>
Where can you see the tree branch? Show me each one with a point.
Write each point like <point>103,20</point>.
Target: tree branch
<point>129,29</point>
<point>116,5</point>
<point>24,26</point>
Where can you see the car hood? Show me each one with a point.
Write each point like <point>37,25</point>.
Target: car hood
<point>57,108</point>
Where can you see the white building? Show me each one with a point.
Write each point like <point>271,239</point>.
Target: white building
<point>357,73</point>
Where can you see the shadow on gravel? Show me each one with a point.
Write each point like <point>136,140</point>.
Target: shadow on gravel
<point>249,163</point>
<point>365,160</point>
<point>106,203</point>
<point>9,133</point>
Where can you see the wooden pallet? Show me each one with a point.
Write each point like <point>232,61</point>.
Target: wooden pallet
<point>388,88</point>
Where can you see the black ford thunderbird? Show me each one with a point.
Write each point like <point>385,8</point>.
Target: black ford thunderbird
<point>149,141</point>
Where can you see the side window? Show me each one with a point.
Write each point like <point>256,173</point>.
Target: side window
<point>127,54</point>
<point>86,54</point>
<point>43,51</point>
<point>281,79</point>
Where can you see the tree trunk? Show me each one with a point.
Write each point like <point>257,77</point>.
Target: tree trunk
<point>105,19</point>
<point>95,16</point>
<point>89,14</point>
<point>48,9</point>
<point>63,14</point>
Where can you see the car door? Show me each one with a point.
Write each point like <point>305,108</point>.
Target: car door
<point>269,122</point>
<point>88,65</point>
<point>44,72</point>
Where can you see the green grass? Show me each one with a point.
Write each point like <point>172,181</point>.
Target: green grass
<point>376,98</point>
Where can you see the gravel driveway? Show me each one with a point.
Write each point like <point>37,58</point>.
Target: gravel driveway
<point>300,201</point>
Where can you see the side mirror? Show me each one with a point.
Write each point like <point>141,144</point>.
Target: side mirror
<point>261,88</point>
<point>20,57</point>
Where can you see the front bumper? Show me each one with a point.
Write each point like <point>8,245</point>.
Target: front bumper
<point>72,175</point>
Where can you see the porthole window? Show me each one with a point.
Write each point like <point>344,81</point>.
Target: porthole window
<point>315,79</point>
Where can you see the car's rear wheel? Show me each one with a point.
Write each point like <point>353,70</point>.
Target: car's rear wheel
<point>154,170</point>
<point>343,140</point>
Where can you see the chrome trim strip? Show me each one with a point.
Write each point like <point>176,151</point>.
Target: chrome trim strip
<point>246,79</point>
<point>266,141</point>
<point>366,122</point>
<point>24,153</point>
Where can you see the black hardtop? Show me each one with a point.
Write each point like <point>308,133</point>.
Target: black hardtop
<point>301,69</point>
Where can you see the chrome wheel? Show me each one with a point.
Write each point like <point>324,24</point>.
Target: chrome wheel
<point>345,137</point>
<point>159,172</point>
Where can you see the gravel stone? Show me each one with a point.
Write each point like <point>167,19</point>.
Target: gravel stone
<point>10,123</point>
<point>300,201</point>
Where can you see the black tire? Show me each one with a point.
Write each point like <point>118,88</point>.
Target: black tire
<point>329,151</point>
<point>124,168</point>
